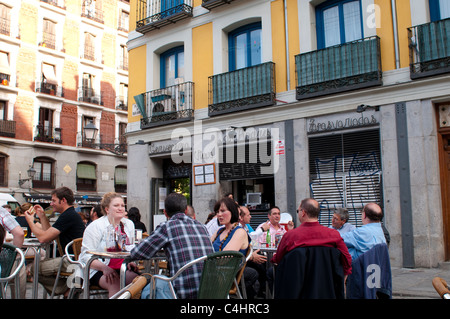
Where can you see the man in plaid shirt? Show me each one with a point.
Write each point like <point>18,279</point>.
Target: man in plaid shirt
<point>183,240</point>
<point>12,226</point>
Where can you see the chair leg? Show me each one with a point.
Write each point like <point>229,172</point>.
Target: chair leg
<point>57,279</point>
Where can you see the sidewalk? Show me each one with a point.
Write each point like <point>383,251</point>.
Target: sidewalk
<point>416,283</point>
<point>406,283</point>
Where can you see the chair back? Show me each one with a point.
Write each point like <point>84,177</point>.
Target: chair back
<point>371,276</point>
<point>76,247</point>
<point>7,258</point>
<point>219,271</point>
<point>310,273</point>
<point>234,288</point>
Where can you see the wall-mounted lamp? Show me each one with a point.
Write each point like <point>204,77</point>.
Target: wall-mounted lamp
<point>361,108</point>
<point>30,172</point>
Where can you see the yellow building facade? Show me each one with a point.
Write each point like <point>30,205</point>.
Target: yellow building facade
<point>278,100</point>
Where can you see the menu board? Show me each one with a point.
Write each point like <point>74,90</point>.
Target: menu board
<point>204,174</point>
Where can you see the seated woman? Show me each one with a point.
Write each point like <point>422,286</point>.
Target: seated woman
<point>232,236</point>
<point>105,273</point>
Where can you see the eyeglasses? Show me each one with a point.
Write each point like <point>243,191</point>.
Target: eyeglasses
<point>299,210</point>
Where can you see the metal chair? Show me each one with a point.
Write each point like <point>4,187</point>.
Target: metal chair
<point>73,259</point>
<point>134,289</point>
<point>240,278</point>
<point>8,256</point>
<point>218,275</point>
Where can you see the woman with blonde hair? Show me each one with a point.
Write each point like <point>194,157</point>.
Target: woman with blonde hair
<point>105,273</point>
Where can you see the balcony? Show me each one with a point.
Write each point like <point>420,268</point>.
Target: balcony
<point>169,105</point>
<point>340,68</point>
<point>7,128</point>
<point>155,14</point>
<point>118,147</point>
<point>121,103</point>
<point>88,95</point>
<point>210,4</point>
<point>242,89</point>
<point>48,135</point>
<point>429,49</point>
<point>88,10</point>
<point>51,89</point>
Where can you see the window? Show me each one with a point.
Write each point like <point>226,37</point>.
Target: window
<point>87,90</point>
<point>338,22</point>
<point>3,110</point>
<point>89,46</point>
<point>5,72</point>
<point>245,46</point>
<point>44,173</point>
<point>123,56</point>
<point>5,21</point>
<point>49,81</point>
<point>172,66</point>
<point>439,9</point>
<point>120,179</point>
<point>86,177</point>
<point>3,170</point>
<point>49,34</point>
<point>124,21</point>
<point>45,126</point>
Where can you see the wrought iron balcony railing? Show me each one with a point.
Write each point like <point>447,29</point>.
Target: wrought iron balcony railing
<point>118,147</point>
<point>121,103</point>
<point>89,95</point>
<point>49,135</point>
<point>339,68</point>
<point>429,49</point>
<point>169,105</point>
<point>154,14</point>
<point>242,89</point>
<point>88,10</point>
<point>51,89</point>
<point>57,3</point>
<point>210,4</point>
<point>7,128</point>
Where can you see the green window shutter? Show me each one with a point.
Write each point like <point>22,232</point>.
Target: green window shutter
<point>120,176</point>
<point>86,171</point>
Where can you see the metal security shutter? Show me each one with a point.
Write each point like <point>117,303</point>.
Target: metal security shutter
<point>345,171</point>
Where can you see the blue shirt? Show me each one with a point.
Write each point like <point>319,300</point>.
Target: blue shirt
<point>220,244</point>
<point>345,228</point>
<point>363,238</point>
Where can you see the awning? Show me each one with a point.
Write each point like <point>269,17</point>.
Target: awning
<point>49,73</point>
<point>86,171</point>
<point>4,63</point>
<point>120,176</point>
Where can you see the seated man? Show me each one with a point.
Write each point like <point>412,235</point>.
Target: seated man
<point>68,226</point>
<point>311,233</point>
<point>183,240</point>
<point>340,221</point>
<point>370,234</point>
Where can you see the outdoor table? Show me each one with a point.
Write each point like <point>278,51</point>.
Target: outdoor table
<point>125,255</point>
<point>269,252</point>
<point>36,246</point>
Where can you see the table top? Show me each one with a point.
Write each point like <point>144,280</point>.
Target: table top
<point>31,242</point>
<point>110,254</point>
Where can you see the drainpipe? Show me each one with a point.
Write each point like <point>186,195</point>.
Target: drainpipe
<point>395,29</point>
<point>286,32</point>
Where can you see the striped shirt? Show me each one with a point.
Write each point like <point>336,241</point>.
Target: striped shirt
<point>7,220</point>
<point>183,240</point>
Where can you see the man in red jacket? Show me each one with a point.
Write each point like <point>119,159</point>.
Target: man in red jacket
<point>311,233</point>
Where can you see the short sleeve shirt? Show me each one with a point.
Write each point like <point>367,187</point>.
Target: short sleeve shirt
<point>71,226</point>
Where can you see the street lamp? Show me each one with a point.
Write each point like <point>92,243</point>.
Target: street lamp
<point>90,132</point>
<point>30,172</point>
